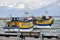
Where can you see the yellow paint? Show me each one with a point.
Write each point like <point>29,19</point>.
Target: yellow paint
<point>21,24</point>
<point>44,21</point>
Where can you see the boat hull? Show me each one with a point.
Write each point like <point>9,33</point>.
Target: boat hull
<point>16,29</point>
<point>44,22</point>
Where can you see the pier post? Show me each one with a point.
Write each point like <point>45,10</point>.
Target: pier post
<point>41,36</point>
<point>18,34</point>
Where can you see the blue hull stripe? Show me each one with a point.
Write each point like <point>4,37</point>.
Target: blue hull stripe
<point>44,24</point>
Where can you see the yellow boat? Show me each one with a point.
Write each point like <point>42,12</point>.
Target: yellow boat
<point>43,21</point>
<point>23,25</point>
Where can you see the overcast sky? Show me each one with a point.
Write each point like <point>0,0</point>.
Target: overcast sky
<point>34,7</point>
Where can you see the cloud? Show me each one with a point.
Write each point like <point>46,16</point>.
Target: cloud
<point>21,4</point>
<point>10,6</point>
<point>58,4</point>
